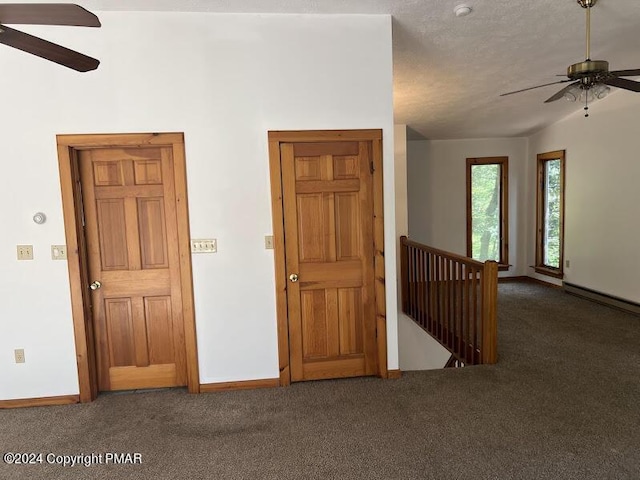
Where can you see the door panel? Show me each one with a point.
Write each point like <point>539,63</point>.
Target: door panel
<point>120,338</point>
<point>347,216</point>
<point>113,234</point>
<point>153,239</point>
<point>159,329</point>
<point>314,324</point>
<point>328,224</point>
<point>131,232</point>
<point>147,172</point>
<point>350,319</point>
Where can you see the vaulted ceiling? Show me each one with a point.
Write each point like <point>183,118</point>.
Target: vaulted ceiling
<point>449,71</point>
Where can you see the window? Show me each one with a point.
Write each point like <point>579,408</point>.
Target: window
<point>550,214</point>
<point>487,194</point>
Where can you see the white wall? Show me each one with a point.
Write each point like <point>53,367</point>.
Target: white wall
<point>400,172</point>
<point>416,348</point>
<point>418,191</point>
<point>602,198</point>
<point>223,80</point>
<point>437,193</point>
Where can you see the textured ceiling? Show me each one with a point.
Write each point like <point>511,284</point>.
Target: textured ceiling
<point>449,71</point>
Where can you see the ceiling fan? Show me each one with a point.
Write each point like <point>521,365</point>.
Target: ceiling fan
<point>591,78</point>
<point>47,14</point>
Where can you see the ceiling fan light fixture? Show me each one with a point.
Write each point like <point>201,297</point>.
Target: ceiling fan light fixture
<point>601,91</point>
<point>587,95</point>
<point>572,94</point>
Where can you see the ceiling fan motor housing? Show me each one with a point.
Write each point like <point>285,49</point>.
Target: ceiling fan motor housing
<point>587,68</point>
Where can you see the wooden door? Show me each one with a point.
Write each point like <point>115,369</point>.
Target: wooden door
<point>130,219</point>
<point>327,192</point>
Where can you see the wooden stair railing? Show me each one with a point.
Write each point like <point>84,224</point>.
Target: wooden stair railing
<point>453,298</point>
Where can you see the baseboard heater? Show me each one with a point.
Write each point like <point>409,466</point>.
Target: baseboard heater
<point>603,298</point>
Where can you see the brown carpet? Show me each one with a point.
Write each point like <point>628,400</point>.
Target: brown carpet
<point>563,403</point>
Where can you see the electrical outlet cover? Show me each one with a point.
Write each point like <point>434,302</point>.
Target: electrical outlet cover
<point>19,354</point>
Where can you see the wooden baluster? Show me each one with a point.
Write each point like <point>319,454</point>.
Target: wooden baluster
<point>427,301</point>
<point>404,274</point>
<point>441,331</point>
<point>447,294</point>
<point>416,253</point>
<point>434,294</point>
<point>414,283</point>
<point>454,299</point>
<point>443,297</point>
<point>409,267</point>
<point>459,307</point>
<point>418,313</point>
<point>465,314</point>
<point>419,284</point>
<point>474,317</point>
<point>470,318</point>
<point>409,284</point>
<point>423,290</point>
<point>452,304</point>
<point>480,315</point>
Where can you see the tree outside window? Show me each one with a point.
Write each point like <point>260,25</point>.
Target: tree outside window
<point>487,233</point>
<point>550,213</point>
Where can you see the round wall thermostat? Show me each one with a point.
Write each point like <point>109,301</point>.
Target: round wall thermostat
<point>39,218</point>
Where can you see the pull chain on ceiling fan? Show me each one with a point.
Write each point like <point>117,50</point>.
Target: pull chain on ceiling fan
<point>591,79</point>
<point>47,14</point>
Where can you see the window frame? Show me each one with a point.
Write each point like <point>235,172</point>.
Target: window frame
<point>540,266</point>
<point>503,162</point>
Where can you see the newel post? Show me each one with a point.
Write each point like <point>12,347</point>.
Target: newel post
<point>490,312</point>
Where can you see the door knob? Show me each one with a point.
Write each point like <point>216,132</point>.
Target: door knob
<point>293,277</point>
<point>95,285</point>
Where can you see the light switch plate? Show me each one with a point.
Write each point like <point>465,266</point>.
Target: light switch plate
<point>204,245</point>
<point>58,252</point>
<point>268,242</point>
<point>25,252</point>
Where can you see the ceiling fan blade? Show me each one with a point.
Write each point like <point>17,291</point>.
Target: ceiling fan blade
<point>627,73</point>
<point>47,14</point>
<point>531,88</point>
<point>47,50</point>
<point>624,83</point>
<point>561,93</point>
